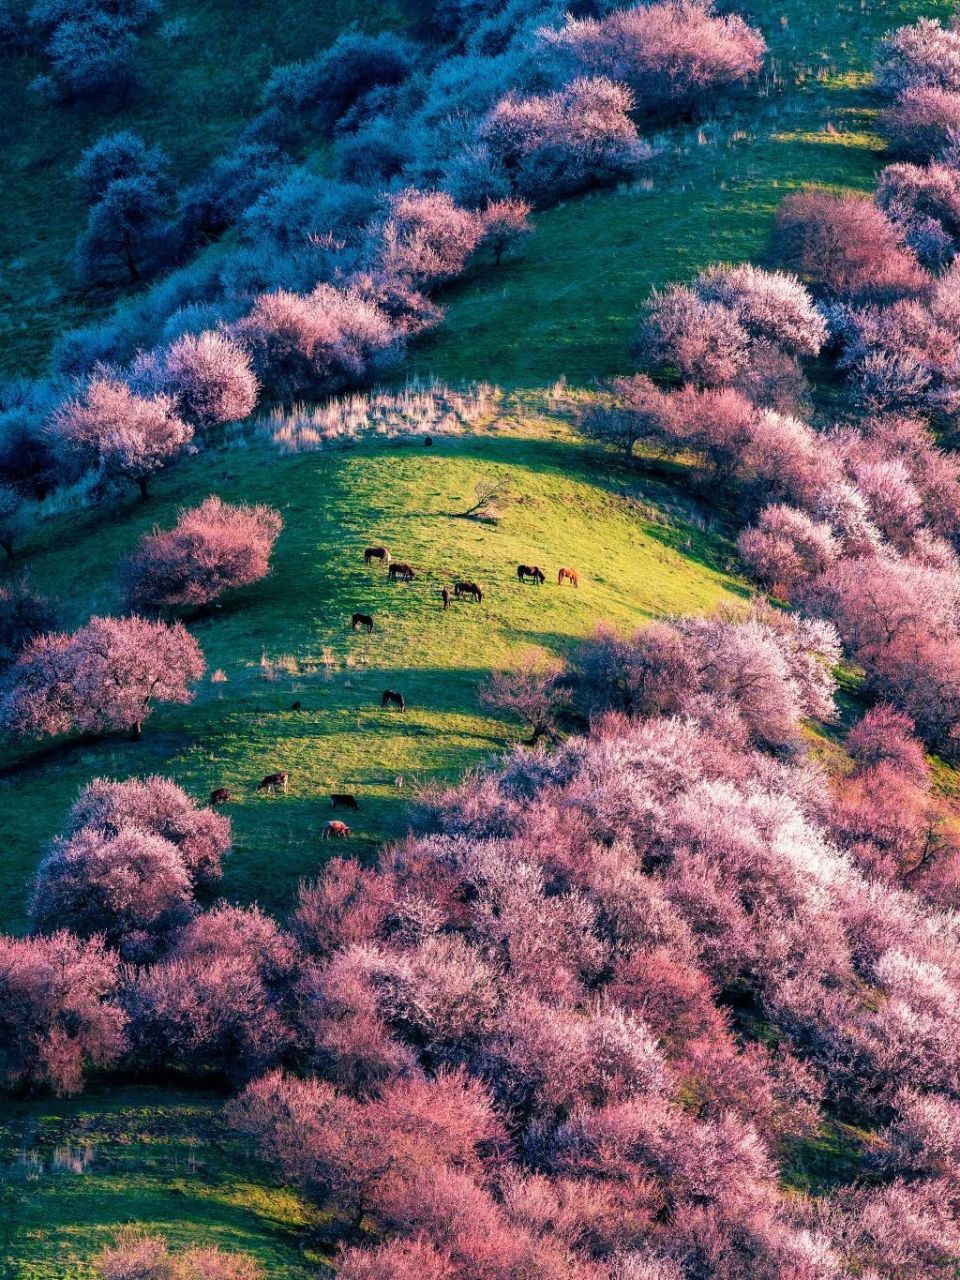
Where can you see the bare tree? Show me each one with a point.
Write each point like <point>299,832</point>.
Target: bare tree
<point>490,496</point>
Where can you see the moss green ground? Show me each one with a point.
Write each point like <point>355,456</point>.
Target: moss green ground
<point>564,306</point>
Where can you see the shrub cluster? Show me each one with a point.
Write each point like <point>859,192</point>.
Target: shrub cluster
<point>89,45</point>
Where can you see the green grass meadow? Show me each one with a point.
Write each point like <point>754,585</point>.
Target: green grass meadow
<point>287,639</point>
<point>566,304</point>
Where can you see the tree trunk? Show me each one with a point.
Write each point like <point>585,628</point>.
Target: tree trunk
<point>131,261</point>
<point>142,483</point>
<point>136,733</point>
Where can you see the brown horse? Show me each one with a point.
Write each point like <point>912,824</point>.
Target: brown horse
<point>391,697</point>
<point>376,553</point>
<point>400,570</point>
<point>336,830</point>
<point>274,780</point>
<point>461,589</point>
<point>361,620</point>
<point>219,795</point>
<point>525,571</point>
<point>568,575</point>
<point>445,597</point>
<point>343,800</point>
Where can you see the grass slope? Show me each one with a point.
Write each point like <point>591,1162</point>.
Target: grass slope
<point>72,1171</point>
<point>287,638</point>
<point>203,64</point>
<point>567,304</point>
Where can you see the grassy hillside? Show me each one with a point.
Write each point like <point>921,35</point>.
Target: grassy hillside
<point>72,1171</point>
<point>287,639</point>
<point>203,64</point>
<point>567,304</point>
<point>564,306</point>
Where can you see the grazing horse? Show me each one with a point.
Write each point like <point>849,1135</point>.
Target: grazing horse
<point>525,571</point>
<point>336,830</point>
<point>219,795</point>
<point>361,620</point>
<point>428,441</point>
<point>461,589</point>
<point>274,780</point>
<point>296,706</point>
<point>376,553</point>
<point>445,596</point>
<point>568,575</point>
<point>342,800</point>
<point>400,570</point>
<point>390,696</point>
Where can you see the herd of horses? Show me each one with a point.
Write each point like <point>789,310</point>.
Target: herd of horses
<point>396,570</point>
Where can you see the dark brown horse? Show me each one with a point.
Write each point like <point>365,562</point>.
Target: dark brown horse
<point>568,575</point>
<point>445,597</point>
<point>335,830</point>
<point>343,800</point>
<point>219,795</point>
<point>428,441</point>
<point>391,697</point>
<point>461,589</point>
<point>525,571</point>
<point>400,570</point>
<point>376,553</point>
<point>274,780</point>
<point>361,620</point>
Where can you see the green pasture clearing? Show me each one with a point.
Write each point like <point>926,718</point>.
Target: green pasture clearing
<point>287,639</point>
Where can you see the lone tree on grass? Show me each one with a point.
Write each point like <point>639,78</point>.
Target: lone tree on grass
<point>490,496</point>
<point>107,676</point>
<point>212,548</point>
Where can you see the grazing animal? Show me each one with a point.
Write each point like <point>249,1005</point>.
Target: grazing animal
<point>400,570</point>
<point>296,706</point>
<point>568,575</point>
<point>336,830</point>
<point>390,696</point>
<point>525,571</point>
<point>361,620</point>
<point>376,553</point>
<point>445,593</point>
<point>428,441</point>
<point>343,801</point>
<point>461,589</point>
<point>219,795</point>
<point>274,780</point>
